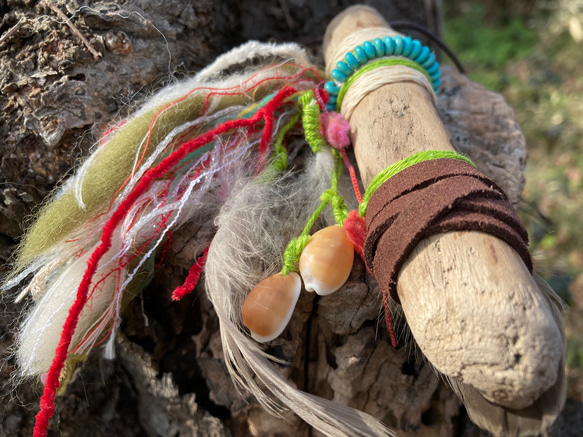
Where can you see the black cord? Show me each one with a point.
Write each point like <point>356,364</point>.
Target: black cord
<point>410,25</point>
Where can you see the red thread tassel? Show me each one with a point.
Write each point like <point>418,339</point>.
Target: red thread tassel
<point>355,227</point>
<point>192,278</point>
<point>388,318</point>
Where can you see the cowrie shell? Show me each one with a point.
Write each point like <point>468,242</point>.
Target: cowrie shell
<point>326,261</point>
<point>270,305</point>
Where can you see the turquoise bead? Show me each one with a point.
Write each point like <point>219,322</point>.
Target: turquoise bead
<point>337,75</point>
<point>436,84</point>
<point>407,46</point>
<point>435,76</point>
<point>416,49</point>
<point>352,61</point>
<point>429,61</point>
<point>435,67</point>
<point>379,47</point>
<point>389,45</point>
<point>398,45</point>
<point>423,55</point>
<point>330,107</point>
<point>360,55</point>
<point>332,88</point>
<point>332,100</point>
<point>343,68</point>
<point>369,50</point>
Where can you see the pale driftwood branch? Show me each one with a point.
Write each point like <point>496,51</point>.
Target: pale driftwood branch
<point>472,305</point>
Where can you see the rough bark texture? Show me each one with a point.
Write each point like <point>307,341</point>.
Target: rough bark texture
<point>484,129</point>
<point>169,378</point>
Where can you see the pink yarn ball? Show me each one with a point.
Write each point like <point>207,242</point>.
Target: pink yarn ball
<point>335,129</point>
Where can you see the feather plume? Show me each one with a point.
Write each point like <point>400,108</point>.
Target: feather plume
<point>253,227</point>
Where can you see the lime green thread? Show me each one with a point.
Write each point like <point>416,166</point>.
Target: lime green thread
<point>292,253</point>
<point>388,62</point>
<point>336,200</point>
<point>280,153</point>
<point>294,249</point>
<point>392,170</point>
<point>311,121</point>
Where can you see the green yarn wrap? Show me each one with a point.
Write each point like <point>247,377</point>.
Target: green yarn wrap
<point>331,196</point>
<point>392,170</point>
<point>311,121</point>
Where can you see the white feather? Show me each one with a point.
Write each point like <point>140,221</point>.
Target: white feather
<point>254,226</point>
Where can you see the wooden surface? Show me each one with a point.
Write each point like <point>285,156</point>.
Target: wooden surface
<point>472,306</point>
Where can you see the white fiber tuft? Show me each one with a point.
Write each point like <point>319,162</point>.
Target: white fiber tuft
<point>252,50</point>
<point>41,330</point>
<point>254,226</point>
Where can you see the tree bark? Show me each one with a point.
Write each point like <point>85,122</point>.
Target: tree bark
<point>169,378</point>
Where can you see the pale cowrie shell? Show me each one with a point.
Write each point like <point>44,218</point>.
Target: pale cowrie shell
<point>270,305</point>
<point>326,261</point>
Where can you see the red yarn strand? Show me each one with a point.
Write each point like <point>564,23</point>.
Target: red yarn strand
<point>267,131</point>
<point>388,318</point>
<point>353,178</point>
<point>213,91</point>
<point>192,278</point>
<point>47,402</point>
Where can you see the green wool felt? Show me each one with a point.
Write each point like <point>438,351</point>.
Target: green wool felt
<point>114,163</point>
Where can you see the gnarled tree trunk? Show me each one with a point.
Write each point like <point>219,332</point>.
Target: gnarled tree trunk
<point>59,94</point>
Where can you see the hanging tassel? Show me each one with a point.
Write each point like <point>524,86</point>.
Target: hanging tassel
<point>192,278</point>
<point>95,245</point>
<point>97,241</point>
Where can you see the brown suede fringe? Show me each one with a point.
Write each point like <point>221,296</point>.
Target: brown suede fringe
<point>429,198</point>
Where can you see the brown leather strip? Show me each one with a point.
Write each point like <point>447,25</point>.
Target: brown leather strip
<point>420,201</point>
<point>500,209</point>
<point>419,209</point>
<point>471,221</point>
<point>403,222</point>
<point>419,176</point>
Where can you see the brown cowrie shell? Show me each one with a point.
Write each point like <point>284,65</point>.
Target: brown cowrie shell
<point>270,305</point>
<point>326,260</point>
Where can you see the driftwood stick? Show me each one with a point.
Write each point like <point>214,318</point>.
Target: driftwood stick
<point>472,305</point>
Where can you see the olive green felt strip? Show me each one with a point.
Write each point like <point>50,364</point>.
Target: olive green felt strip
<point>114,163</point>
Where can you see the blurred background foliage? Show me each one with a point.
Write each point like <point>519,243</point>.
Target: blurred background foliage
<point>531,51</point>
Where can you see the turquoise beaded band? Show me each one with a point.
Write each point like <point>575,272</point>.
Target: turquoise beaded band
<point>378,48</point>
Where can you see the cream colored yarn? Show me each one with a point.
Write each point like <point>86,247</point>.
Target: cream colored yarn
<point>373,80</point>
